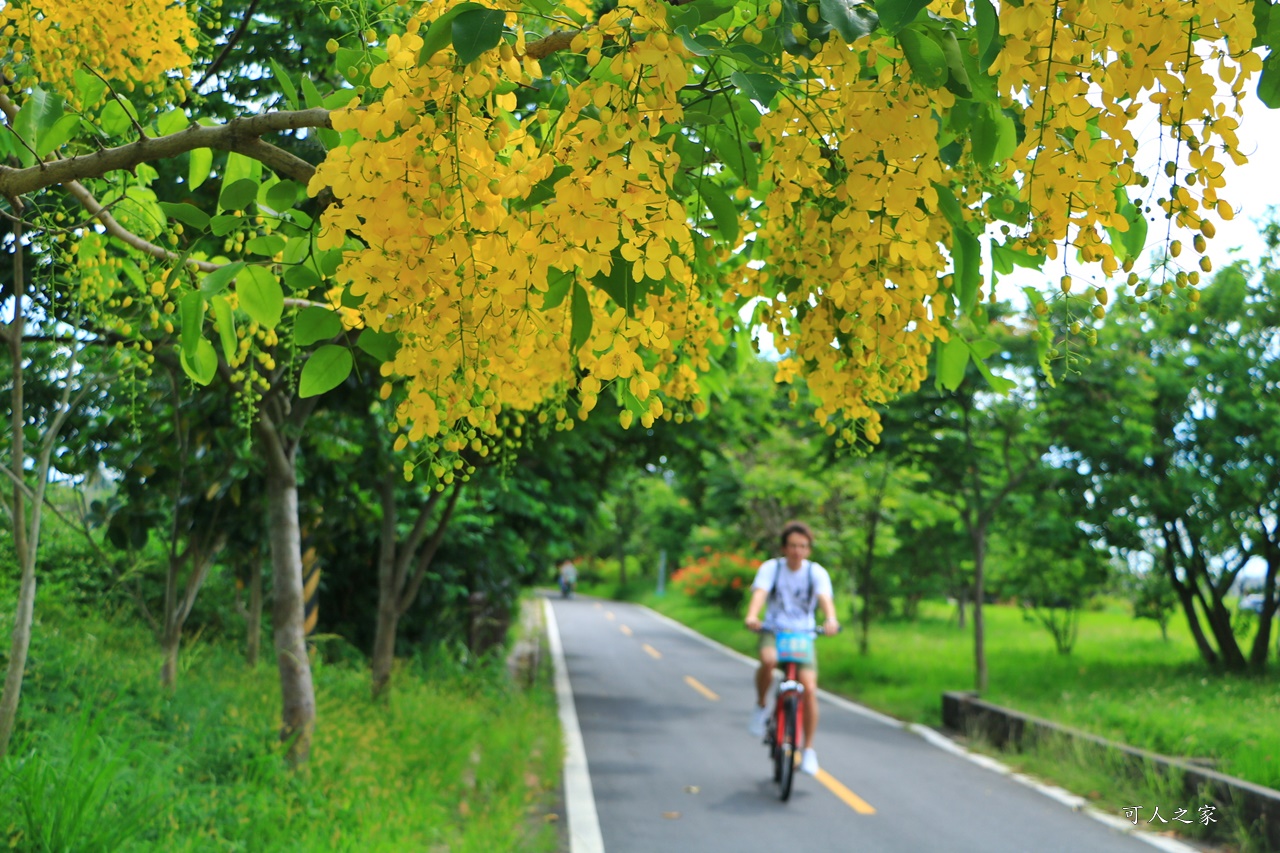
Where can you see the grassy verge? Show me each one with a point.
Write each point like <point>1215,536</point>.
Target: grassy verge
<point>105,760</point>
<point>1122,682</point>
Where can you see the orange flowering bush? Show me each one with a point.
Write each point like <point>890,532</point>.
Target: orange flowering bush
<point>718,578</point>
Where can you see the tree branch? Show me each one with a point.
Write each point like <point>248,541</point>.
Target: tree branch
<point>241,135</point>
<point>549,44</point>
<point>429,552</point>
<point>231,43</point>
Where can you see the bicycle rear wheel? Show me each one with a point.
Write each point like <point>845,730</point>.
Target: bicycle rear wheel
<point>786,761</point>
<point>775,748</point>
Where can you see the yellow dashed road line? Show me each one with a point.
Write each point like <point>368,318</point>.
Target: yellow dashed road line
<point>850,799</point>
<point>652,652</point>
<point>608,614</point>
<point>701,688</point>
<point>624,629</point>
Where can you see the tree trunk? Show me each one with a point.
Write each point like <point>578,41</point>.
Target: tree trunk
<point>298,707</point>
<point>253,645</point>
<point>169,646</point>
<point>979,591</point>
<point>24,547</point>
<point>171,631</point>
<point>384,644</point>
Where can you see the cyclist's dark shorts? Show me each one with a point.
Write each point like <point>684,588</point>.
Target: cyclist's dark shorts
<point>767,639</point>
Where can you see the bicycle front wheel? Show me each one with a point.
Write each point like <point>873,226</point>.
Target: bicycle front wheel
<point>787,748</point>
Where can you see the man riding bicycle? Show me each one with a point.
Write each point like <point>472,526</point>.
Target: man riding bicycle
<point>793,587</point>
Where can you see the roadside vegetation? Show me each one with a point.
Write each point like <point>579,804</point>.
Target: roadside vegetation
<point>107,760</point>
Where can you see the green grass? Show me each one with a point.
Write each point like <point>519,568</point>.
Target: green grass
<point>106,760</point>
<point>1122,682</point>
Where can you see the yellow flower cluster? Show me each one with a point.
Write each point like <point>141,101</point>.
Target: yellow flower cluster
<point>138,43</point>
<point>487,293</point>
<point>491,236</point>
<point>854,259</point>
<point>1079,73</point>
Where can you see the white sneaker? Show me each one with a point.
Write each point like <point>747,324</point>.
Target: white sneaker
<point>809,762</point>
<point>759,716</point>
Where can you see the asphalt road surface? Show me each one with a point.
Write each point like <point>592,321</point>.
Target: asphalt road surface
<point>663,721</point>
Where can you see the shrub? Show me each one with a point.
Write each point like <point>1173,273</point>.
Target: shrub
<point>717,578</point>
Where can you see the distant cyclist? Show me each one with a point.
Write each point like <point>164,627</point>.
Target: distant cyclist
<point>793,586</point>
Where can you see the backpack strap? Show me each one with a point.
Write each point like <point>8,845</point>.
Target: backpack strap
<point>779,565</point>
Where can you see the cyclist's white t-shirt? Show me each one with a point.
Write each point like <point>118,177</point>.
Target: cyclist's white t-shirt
<point>791,611</point>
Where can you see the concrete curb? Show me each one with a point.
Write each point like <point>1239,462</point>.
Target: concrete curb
<point>579,798</point>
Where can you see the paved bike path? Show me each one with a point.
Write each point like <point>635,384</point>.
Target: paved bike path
<point>673,769</point>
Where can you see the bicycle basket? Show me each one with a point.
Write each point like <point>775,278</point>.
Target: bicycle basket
<point>795,646</point>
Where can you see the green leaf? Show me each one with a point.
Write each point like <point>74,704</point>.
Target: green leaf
<point>217,281</point>
<point>117,117</point>
<point>949,206</point>
<point>315,324</point>
<point>191,313</point>
<point>852,20</point>
<point>793,12</point>
<point>327,368</point>
<point>734,153</point>
<point>998,383</point>
<point>283,195</point>
<point>698,45</point>
<point>957,74</point>
<point>475,31</point>
<point>297,249</point>
<point>57,135</point>
<point>199,167</point>
<point>39,113</point>
<point>238,196</point>
<point>261,296</point>
<point>440,34</point>
<point>286,85</point>
<point>267,245</point>
<point>1266,25</point>
<point>1130,243</point>
<point>220,226</point>
<point>310,94</point>
<point>984,137</point>
<point>896,14</point>
<point>1006,141</point>
<point>953,358</point>
<point>187,214</point>
<point>619,284</point>
<point>380,345</point>
<point>543,190</point>
<point>1004,259</point>
<point>709,10</point>
<point>988,32</point>
<point>172,122</point>
<point>89,87</point>
<point>926,57</point>
<point>966,252</point>
<point>226,324</point>
<point>301,278</point>
<point>1269,82</point>
<point>983,348</point>
<point>338,99</point>
<point>558,283</point>
<point>580,308</point>
<point>240,167</point>
<point>758,87</point>
<point>722,209</point>
<point>202,364</point>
